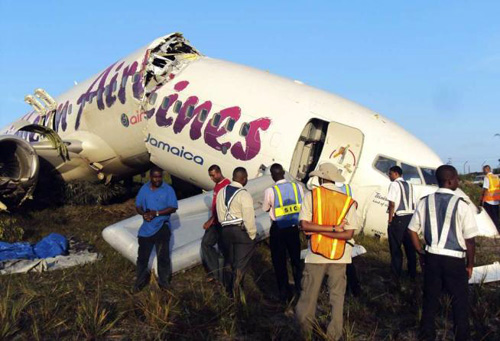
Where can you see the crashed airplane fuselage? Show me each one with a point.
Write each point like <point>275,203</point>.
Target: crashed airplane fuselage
<point>168,104</point>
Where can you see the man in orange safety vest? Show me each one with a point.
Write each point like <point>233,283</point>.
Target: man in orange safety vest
<point>490,197</point>
<point>329,217</point>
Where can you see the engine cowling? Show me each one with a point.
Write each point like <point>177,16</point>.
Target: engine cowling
<point>19,167</point>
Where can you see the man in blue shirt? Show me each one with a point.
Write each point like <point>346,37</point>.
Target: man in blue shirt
<point>156,201</point>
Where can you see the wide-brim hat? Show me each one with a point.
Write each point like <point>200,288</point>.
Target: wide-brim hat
<point>328,171</point>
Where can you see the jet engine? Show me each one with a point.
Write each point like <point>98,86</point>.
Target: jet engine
<point>19,166</point>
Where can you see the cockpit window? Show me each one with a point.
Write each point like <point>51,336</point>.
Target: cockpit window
<point>429,175</point>
<point>411,174</point>
<point>384,163</point>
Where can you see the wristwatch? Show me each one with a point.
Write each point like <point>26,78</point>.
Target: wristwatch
<point>157,213</point>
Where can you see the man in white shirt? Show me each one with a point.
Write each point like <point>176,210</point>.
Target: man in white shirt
<point>490,196</point>
<point>321,207</point>
<point>236,215</point>
<point>448,228</point>
<point>401,206</point>
<point>283,201</point>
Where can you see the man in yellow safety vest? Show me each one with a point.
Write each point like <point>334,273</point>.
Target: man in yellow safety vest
<point>283,201</point>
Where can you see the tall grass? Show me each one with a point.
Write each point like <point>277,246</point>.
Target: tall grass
<point>13,309</point>
<point>93,302</point>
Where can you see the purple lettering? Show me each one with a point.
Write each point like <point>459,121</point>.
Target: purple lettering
<point>252,140</point>
<point>161,112</point>
<point>212,133</point>
<point>128,71</point>
<point>182,118</point>
<point>86,96</point>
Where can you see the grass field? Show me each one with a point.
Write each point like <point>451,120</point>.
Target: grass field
<point>93,301</point>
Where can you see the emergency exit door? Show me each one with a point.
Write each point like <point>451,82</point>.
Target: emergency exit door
<point>342,148</point>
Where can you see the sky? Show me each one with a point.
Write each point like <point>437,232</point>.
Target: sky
<point>431,66</point>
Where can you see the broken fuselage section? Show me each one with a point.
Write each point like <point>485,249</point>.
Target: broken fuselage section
<point>81,134</point>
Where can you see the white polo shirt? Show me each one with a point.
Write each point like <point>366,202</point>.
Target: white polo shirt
<point>394,195</point>
<point>466,226</point>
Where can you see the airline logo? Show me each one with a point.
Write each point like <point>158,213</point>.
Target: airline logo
<point>126,121</point>
<point>196,114</point>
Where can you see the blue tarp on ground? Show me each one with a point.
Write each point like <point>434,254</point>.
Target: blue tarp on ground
<point>52,245</point>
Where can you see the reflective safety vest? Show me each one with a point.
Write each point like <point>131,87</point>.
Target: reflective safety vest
<point>440,228</point>
<point>406,203</point>
<point>287,203</point>
<point>493,191</point>
<point>230,193</point>
<point>329,208</point>
<point>347,190</point>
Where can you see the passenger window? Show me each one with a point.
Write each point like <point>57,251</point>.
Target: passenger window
<point>164,103</point>
<point>230,124</point>
<point>203,115</point>
<point>190,111</point>
<point>115,84</point>
<point>70,110</point>
<point>244,129</point>
<point>152,98</point>
<point>383,164</point>
<point>177,106</point>
<point>136,78</point>
<point>411,174</point>
<point>429,176</point>
<point>216,120</point>
<point>124,81</point>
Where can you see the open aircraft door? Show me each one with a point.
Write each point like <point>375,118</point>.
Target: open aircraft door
<point>342,147</point>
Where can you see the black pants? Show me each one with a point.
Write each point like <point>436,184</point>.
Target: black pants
<point>353,284</point>
<point>398,234</point>
<point>238,250</point>
<point>209,254</point>
<point>283,240</point>
<point>450,273</point>
<point>492,211</point>
<point>160,240</point>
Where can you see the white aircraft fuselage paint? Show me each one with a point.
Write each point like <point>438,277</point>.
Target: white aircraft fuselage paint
<point>120,131</point>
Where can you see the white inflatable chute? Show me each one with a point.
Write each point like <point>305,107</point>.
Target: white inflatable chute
<point>186,226</point>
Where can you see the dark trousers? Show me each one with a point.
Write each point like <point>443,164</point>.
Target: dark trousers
<point>450,273</point>
<point>492,211</point>
<point>209,254</point>
<point>239,249</point>
<point>352,279</point>
<point>160,240</point>
<point>398,234</point>
<point>283,240</point>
